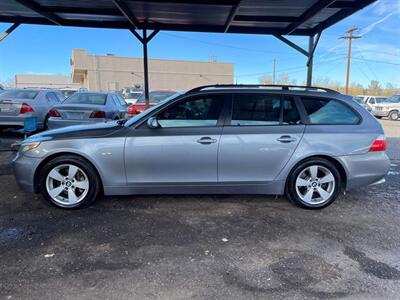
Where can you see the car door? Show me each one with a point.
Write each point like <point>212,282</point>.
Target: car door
<point>184,149</point>
<point>259,138</point>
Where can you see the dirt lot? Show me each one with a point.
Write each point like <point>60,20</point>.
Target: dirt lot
<point>202,247</point>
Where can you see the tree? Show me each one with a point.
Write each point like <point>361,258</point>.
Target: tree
<point>265,79</point>
<point>374,87</point>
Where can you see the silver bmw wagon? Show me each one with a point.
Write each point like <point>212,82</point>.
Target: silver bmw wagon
<point>306,143</point>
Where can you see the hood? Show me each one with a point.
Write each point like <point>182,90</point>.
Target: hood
<point>79,131</point>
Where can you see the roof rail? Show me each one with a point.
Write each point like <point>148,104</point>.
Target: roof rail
<point>272,86</point>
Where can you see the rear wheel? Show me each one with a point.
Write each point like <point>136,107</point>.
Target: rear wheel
<point>69,182</point>
<point>394,116</point>
<point>314,183</point>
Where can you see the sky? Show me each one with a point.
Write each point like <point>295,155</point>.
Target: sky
<point>39,49</point>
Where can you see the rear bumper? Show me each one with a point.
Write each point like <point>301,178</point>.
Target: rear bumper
<point>24,171</point>
<point>17,121</point>
<point>55,123</point>
<point>365,169</point>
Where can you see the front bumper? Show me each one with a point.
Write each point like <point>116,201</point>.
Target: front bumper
<point>55,123</point>
<point>24,171</point>
<point>380,113</point>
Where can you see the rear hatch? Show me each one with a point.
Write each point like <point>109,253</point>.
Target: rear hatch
<point>77,111</point>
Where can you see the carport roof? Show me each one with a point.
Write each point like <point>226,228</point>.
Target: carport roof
<point>278,17</point>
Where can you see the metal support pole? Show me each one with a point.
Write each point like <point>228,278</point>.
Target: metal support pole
<point>8,31</point>
<point>310,60</point>
<point>145,69</point>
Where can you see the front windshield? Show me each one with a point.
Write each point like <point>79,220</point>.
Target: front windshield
<point>393,99</point>
<point>151,109</point>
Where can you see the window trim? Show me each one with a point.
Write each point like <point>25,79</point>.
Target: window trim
<point>220,120</point>
<point>307,117</point>
<point>282,97</point>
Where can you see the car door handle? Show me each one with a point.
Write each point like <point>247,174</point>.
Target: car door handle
<point>286,139</point>
<point>206,140</point>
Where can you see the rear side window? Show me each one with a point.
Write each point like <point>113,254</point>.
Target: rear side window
<point>86,98</point>
<point>329,112</point>
<point>256,109</point>
<point>261,110</point>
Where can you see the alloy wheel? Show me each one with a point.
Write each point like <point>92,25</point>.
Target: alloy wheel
<point>315,184</point>
<point>67,184</point>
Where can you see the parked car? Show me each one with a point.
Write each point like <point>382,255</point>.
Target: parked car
<point>306,143</point>
<point>389,108</point>
<point>68,92</point>
<point>132,97</point>
<point>18,104</point>
<point>87,107</point>
<point>370,101</point>
<point>155,97</point>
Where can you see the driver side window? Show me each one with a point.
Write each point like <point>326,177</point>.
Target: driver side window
<point>194,112</point>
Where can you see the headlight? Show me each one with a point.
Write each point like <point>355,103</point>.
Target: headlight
<point>29,146</point>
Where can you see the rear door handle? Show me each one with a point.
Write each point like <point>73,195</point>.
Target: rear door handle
<point>206,140</point>
<point>286,139</point>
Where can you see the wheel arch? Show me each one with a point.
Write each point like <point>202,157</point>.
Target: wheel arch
<point>58,154</point>
<point>334,161</point>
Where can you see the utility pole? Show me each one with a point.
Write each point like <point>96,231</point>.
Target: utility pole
<point>349,37</point>
<point>273,71</point>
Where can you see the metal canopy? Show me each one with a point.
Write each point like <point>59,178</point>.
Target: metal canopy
<point>273,17</point>
<point>279,17</point>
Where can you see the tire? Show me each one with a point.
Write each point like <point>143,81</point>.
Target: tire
<point>46,123</point>
<point>378,117</point>
<point>54,178</point>
<point>300,184</point>
<point>394,115</point>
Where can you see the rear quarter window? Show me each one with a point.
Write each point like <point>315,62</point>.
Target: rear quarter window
<point>329,112</point>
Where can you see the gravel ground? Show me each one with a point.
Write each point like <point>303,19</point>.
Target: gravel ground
<point>201,247</point>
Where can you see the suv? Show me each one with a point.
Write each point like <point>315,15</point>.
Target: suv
<point>307,143</point>
<point>369,102</point>
<point>389,108</point>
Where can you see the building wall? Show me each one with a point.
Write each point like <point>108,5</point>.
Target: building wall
<point>110,72</point>
<point>44,81</point>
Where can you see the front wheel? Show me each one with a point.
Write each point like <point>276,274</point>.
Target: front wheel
<point>394,116</point>
<point>314,183</point>
<point>69,182</point>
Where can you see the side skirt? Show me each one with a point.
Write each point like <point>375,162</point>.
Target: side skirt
<point>269,188</point>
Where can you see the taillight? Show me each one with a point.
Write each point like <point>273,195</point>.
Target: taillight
<point>132,110</point>
<point>379,144</point>
<point>98,115</point>
<point>26,108</point>
<point>54,113</point>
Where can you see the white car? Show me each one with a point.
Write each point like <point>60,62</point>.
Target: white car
<point>133,96</point>
<point>389,108</point>
<point>370,101</point>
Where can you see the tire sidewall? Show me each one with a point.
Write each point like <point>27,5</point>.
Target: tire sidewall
<point>291,183</point>
<point>94,183</point>
<point>392,114</point>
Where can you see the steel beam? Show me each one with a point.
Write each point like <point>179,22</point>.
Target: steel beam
<point>32,5</point>
<point>293,45</point>
<point>311,43</point>
<point>145,70</point>
<point>8,31</point>
<point>311,52</point>
<point>124,9</point>
<point>231,16</point>
<point>308,14</point>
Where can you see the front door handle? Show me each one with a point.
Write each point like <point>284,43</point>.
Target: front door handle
<point>206,140</point>
<point>286,139</point>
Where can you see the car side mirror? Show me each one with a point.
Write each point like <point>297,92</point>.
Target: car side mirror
<point>153,123</point>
